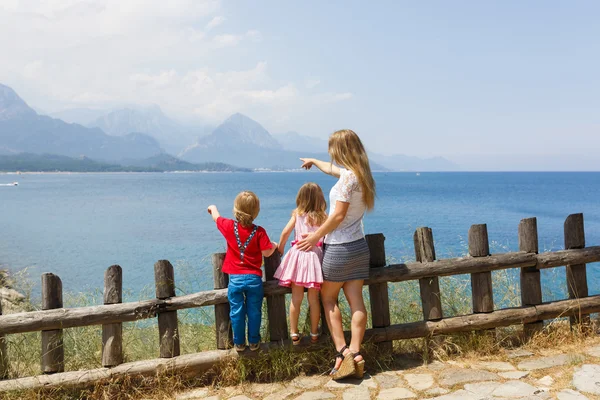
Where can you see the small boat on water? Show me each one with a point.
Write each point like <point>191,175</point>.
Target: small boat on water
<point>10,184</point>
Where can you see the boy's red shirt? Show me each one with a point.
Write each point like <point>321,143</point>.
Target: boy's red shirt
<point>253,254</point>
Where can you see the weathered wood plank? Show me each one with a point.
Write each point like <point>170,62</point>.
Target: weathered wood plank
<point>481,282</point>
<point>168,328</point>
<point>576,273</point>
<point>4,369</point>
<point>430,286</point>
<point>276,310</point>
<point>107,314</point>
<point>531,287</point>
<point>223,329</point>
<point>112,334</point>
<point>53,356</point>
<point>378,292</point>
<point>194,364</point>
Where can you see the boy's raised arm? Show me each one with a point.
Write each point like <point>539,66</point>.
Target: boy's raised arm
<point>212,210</point>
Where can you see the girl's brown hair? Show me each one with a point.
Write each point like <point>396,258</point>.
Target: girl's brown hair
<point>246,207</point>
<point>310,201</point>
<point>347,150</point>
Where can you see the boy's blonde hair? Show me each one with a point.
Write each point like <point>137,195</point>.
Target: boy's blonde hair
<point>310,201</point>
<point>246,207</point>
<point>346,149</point>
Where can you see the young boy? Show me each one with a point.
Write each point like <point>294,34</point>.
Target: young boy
<point>247,244</point>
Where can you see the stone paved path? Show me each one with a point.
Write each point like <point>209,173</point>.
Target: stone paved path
<point>523,375</point>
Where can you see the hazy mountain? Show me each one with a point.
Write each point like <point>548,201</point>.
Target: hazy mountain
<point>242,141</point>
<point>166,162</point>
<point>398,162</point>
<point>22,130</point>
<point>152,121</point>
<point>81,116</point>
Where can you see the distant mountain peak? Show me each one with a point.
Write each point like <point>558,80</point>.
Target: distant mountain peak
<point>238,131</point>
<point>11,105</point>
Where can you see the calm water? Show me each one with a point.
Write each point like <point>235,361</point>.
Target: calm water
<point>76,225</point>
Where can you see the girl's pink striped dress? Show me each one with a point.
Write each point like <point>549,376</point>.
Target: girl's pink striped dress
<point>303,268</point>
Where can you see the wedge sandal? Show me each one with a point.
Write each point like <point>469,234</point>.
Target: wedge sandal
<point>358,365</point>
<point>346,368</point>
<point>295,338</point>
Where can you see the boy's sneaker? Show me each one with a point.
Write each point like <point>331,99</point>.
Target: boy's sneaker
<point>241,347</point>
<point>254,346</point>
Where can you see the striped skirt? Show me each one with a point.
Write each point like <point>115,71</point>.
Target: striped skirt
<point>346,261</point>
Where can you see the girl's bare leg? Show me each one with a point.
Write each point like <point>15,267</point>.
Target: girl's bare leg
<point>315,310</point>
<point>353,293</point>
<point>295,304</point>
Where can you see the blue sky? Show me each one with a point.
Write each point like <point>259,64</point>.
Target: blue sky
<point>484,83</point>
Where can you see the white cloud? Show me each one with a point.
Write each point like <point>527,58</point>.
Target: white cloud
<point>216,21</point>
<point>106,53</point>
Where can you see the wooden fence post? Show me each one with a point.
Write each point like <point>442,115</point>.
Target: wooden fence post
<point>481,282</point>
<point>53,355</point>
<point>112,334</point>
<point>4,369</point>
<point>429,287</point>
<point>168,330</point>
<point>276,310</point>
<point>222,321</point>
<point>576,274</point>
<point>531,287</point>
<point>378,293</point>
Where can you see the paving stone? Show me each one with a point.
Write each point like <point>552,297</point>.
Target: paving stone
<point>594,351</point>
<point>217,397</point>
<point>569,394</point>
<point>456,376</point>
<point>458,395</point>
<point>240,397</point>
<point>309,382</point>
<point>264,389</point>
<point>587,378</point>
<point>494,366</point>
<point>436,391</point>
<point>515,389</point>
<point>514,374</point>
<point>283,394</point>
<point>545,381</point>
<point>458,364</point>
<point>518,353</point>
<point>436,366</point>
<point>367,382</point>
<point>419,381</point>
<point>549,362</point>
<point>316,395</point>
<point>483,389</point>
<point>357,393</point>
<point>192,394</point>
<point>395,394</point>
<point>386,381</point>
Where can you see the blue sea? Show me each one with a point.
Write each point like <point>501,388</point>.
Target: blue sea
<point>77,225</point>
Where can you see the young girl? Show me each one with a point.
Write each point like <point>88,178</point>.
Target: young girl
<point>302,269</point>
<point>246,245</point>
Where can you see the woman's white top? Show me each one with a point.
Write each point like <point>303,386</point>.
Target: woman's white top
<point>348,190</point>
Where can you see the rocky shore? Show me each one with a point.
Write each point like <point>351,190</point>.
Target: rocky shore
<point>11,300</point>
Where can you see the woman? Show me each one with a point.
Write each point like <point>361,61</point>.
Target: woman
<point>346,254</point>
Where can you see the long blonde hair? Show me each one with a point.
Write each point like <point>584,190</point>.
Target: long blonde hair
<point>310,201</point>
<point>246,207</point>
<point>346,149</point>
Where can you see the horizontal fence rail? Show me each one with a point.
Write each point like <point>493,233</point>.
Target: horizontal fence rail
<point>53,319</point>
<point>126,312</point>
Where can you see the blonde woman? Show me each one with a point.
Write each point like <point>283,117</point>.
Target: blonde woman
<point>346,254</point>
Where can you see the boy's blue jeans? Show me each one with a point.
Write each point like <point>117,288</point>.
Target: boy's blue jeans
<point>245,294</point>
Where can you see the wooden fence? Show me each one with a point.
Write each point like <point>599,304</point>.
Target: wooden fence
<point>479,264</point>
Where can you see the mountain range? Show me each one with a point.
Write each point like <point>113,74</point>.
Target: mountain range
<point>132,136</point>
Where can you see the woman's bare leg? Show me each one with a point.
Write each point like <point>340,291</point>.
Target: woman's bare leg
<point>353,293</point>
<point>329,296</point>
